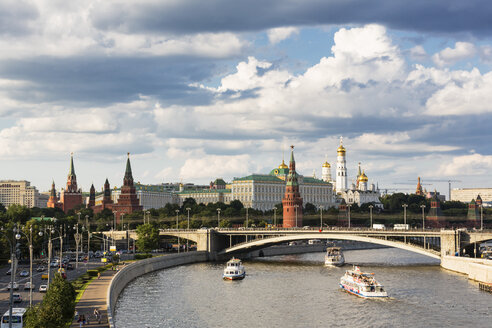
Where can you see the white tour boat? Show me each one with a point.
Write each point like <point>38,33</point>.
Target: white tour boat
<point>234,270</point>
<point>362,284</point>
<point>334,257</point>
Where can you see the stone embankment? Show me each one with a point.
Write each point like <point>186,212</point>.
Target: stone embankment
<point>476,269</point>
<point>139,268</point>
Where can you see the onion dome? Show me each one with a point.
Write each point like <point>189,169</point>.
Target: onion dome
<point>341,150</point>
<point>363,177</point>
<point>326,164</point>
<point>283,166</point>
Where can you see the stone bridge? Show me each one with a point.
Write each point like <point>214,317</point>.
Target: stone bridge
<point>226,242</point>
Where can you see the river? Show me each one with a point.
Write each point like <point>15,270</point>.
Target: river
<point>298,291</point>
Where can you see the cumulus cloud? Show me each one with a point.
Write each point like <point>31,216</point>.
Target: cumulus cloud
<point>275,35</point>
<point>449,56</point>
<point>212,166</point>
<point>474,164</point>
<point>418,53</point>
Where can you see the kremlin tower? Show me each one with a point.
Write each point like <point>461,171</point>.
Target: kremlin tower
<point>53,200</point>
<point>341,182</point>
<point>292,201</point>
<point>71,196</point>
<point>92,197</point>
<point>419,190</point>
<point>128,201</point>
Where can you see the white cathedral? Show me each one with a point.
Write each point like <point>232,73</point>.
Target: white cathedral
<point>359,192</point>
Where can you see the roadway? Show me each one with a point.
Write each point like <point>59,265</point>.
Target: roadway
<point>36,279</point>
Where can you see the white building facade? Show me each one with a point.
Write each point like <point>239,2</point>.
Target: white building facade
<point>20,192</point>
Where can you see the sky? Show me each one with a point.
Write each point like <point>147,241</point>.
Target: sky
<point>197,90</point>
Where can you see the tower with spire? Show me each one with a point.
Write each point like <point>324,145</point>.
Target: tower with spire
<point>128,201</point>
<point>341,179</point>
<point>53,200</point>
<point>292,201</point>
<point>419,190</point>
<point>71,197</point>
<point>92,197</point>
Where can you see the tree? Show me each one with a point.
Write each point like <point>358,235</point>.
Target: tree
<point>148,237</point>
<point>57,307</point>
<point>310,208</point>
<point>18,213</point>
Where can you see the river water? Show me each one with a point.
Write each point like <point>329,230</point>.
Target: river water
<point>298,291</point>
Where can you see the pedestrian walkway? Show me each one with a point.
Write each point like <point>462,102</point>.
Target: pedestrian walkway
<point>94,297</point>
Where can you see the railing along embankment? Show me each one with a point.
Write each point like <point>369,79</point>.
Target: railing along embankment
<point>139,268</point>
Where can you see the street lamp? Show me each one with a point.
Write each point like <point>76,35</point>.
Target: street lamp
<point>218,217</point>
<point>246,217</point>
<point>177,219</point>
<point>349,206</point>
<point>122,215</point>
<point>275,216</point>
<point>481,217</point>
<point>321,218</point>
<point>423,216</point>
<point>404,213</point>
<point>296,206</point>
<point>187,240</point>
<point>12,272</point>
<point>77,240</point>
<point>148,217</point>
<point>30,259</point>
<point>370,214</point>
<point>88,235</point>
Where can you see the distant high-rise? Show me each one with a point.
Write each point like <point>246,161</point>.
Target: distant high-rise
<point>21,193</point>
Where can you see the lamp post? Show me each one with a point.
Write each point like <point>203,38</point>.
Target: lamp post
<point>218,218</point>
<point>246,217</point>
<point>148,217</point>
<point>275,216</point>
<point>187,240</point>
<point>122,215</point>
<point>12,271</point>
<point>481,217</point>
<point>404,213</point>
<point>114,220</point>
<point>296,206</point>
<point>77,239</point>
<point>423,216</point>
<point>177,222</point>
<point>370,214</point>
<point>88,235</point>
<point>349,206</point>
<point>320,218</point>
<point>30,259</point>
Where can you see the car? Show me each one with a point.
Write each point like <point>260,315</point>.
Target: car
<point>43,288</point>
<point>54,264</point>
<point>16,298</point>
<point>24,273</point>
<point>9,272</point>
<point>40,268</point>
<point>69,266</point>
<point>16,287</point>
<point>28,286</point>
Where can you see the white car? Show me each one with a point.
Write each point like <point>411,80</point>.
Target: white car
<point>24,273</point>
<point>15,286</point>
<point>28,285</point>
<point>43,288</point>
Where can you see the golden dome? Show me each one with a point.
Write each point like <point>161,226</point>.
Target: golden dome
<point>283,166</point>
<point>341,150</point>
<point>326,164</point>
<point>363,177</point>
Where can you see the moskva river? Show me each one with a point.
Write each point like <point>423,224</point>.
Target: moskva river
<point>298,291</point>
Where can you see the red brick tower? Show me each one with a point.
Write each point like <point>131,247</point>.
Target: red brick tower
<point>107,195</point>
<point>292,201</point>
<point>92,197</point>
<point>435,218</point>
<point>53,200</point>
<point>128,201</point>
<point>71,196</point>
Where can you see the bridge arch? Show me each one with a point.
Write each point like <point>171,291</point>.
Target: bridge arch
<point>266,242</point>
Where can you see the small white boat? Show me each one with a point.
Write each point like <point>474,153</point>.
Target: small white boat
<point>362,284</point>
<point>334,257</point>
<point>234,270</point>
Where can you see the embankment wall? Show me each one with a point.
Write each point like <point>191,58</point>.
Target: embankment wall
<point>139,268</point>
<point>476,269</point>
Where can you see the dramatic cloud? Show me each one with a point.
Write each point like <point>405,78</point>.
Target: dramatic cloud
<point>474,164</point>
